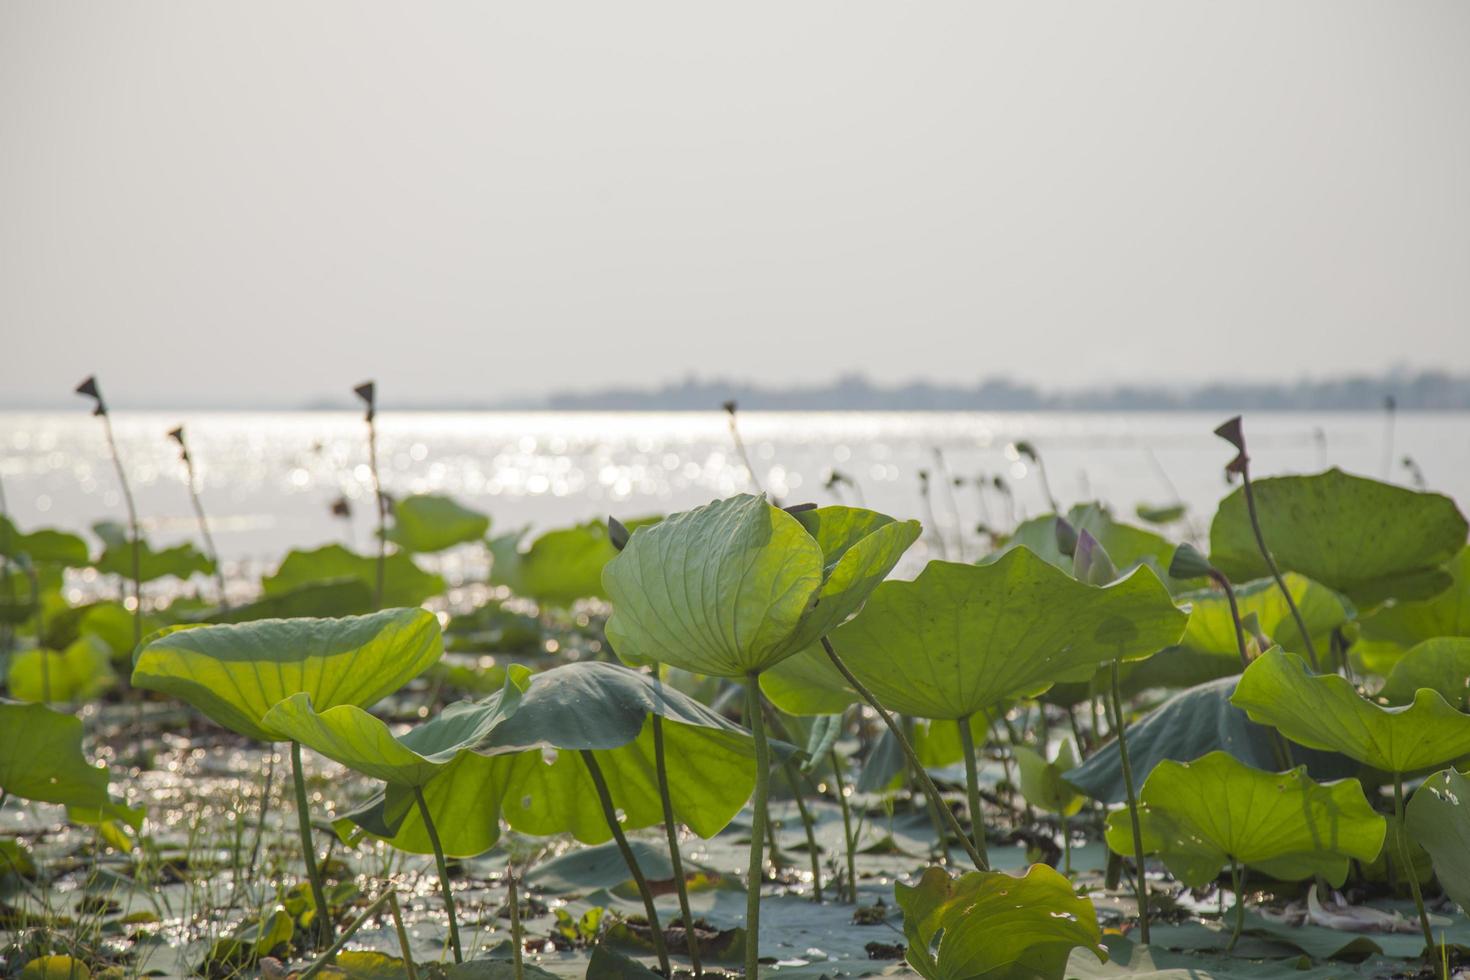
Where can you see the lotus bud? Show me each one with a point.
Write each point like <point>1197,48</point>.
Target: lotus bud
<point>1066,537</point>
<point>1091,563</point>
<point>617,533</point>
<point>1188,562</point>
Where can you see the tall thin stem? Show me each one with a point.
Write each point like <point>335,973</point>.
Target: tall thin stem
<point>730,409</point>
<point>323,920</point>
<point>925,782</point>
<point>847,835</point>
<point>134,533</point>
<point>1237,881</point>
<point>517,954</point>
<point>444,888</point>
<point>972,785</point>
<point>1296,614</point>
<point>381,505</point>
<point>265,803</point>
<point>1406,859</point>
<point>610,814</point>
<point>756,869</point>
<point>210,550</point>
<point>671,830</point>
<point>810,828</point>
<point>1141,881</point>
<point>1279,744</point>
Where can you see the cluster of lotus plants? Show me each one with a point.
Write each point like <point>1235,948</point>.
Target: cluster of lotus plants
<point>1272,715</point>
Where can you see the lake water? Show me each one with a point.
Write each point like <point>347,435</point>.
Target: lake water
<point>268,479</point>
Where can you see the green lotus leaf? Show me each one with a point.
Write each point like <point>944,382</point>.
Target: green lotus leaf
<point>807,684</point>
<point>963,638</point>
<point>1392,629</point>
<point>111,623</point>
<point>1208,649</point>
<point>329,599</point>
<point>80,672</point>
<point>404,583</point>
<point>365,744</point>
<point>463,799</point>
<point>55,967</point>
<point>560,566</point>
<point>996,925</point>
<point>43,545</point>
<point>426,523</point>
<point>1439,821</point>
<point>1126,545</point>
<point>1041,781</point>
<point>41,760</point>
<point>1189,726</point>
<point>1325,711</point>
<point>180,561</point>
<point>1441,664</point>
<point>1198,816</point>
<point>607,709</point>
<point>1164,514</point>
<point>1371,541</point>
<point>737,586</point>
<point>235,674</point>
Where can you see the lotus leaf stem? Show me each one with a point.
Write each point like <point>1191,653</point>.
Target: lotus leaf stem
<point>265,803</point>
<point>1141,881</point>
<point>1296,614</point>
<point>390,899</point>
<point>1405,859</point>
<point>403,946</point>
<point>323,920</point>
<point>517,954</point>
<point>809,827</point>
<point>925,782</point>
<point>444,888</point>
<point>671,830</point>
<point>972,785</point>
<point>381,505</point>
<point>134,533</point>
<point>847,835</point>
<point>756,871</point>
<point>610,814</point>
<point>1237,881</point>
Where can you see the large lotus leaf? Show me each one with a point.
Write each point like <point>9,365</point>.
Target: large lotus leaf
<point>43,545</point>
<point>80,672</point>
<point>463,799</point>
<point>1392,629</point>
<point>1439,821</point>
<point>365,744</point>
<point>1199,815</point>
<point>41,759</point>
<point>404,583</point>
<point>426,523</point>
<point>1441,664</point>
<point>1370,540</point>
<point>558,568</point>
<point>329,599</point>
<point>1126,545</point>
<point>1189,726</point>
<point>720,589</point>
<point>235,674</point>
<point>606,708</point>
<point>180,561</point>
<point>1325,711</point>
<point>963,638</point>
<point>996,925</point>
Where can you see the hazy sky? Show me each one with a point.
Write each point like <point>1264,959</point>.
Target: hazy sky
<point>266,202</point>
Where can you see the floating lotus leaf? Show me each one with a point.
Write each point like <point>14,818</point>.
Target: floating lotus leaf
<point>43,545</point>
<point>1439,821</point>
<point>1325,711</point>
<point>1041,781</point>
<point>1189,726</point>
<point>180,561</point>
<point>80,672</point>
<point>1441,664</point>
<point>996,925</point>
<point>41,759</point>
<point>737,586</point>
<point>1393,629</point>
<point>365,744</point>
<point>426,523</point>
<point>1371,541</point>
<point>235,674</point>
<point>404,583</point>
<point>963,638</point>
<point>55,967</point>
<point>328,599</point>
<point>1198,816</point>
<point>558,568</point>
